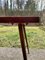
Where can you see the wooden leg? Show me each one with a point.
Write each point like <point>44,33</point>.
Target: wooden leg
<point>25,37</point>
<point>22,41</point>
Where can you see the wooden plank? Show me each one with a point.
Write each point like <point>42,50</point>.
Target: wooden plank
<point>19,20</point>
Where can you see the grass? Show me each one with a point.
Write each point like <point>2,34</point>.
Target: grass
<point>9,37</point>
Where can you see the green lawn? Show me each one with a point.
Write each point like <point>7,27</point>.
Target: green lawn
<point>9,37</point>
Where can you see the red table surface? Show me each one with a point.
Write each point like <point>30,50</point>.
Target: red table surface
<point>19,19</point>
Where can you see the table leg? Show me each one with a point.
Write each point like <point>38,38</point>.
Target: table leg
<point>25,37</point>
<point>22,41</point>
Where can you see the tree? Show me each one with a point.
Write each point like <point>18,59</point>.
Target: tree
<point>30,5</point>
<point>6,4</point>
<point>17,2</point>
<point>20,3</point>
<point>11,4</point>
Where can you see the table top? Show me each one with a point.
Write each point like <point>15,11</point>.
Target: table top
<point>19,19</point>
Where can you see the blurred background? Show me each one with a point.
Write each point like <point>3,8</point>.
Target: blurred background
<point>22,7</point>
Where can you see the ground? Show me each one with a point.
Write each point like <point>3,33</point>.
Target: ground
<point>16,54</point>
<point>9,37</point>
